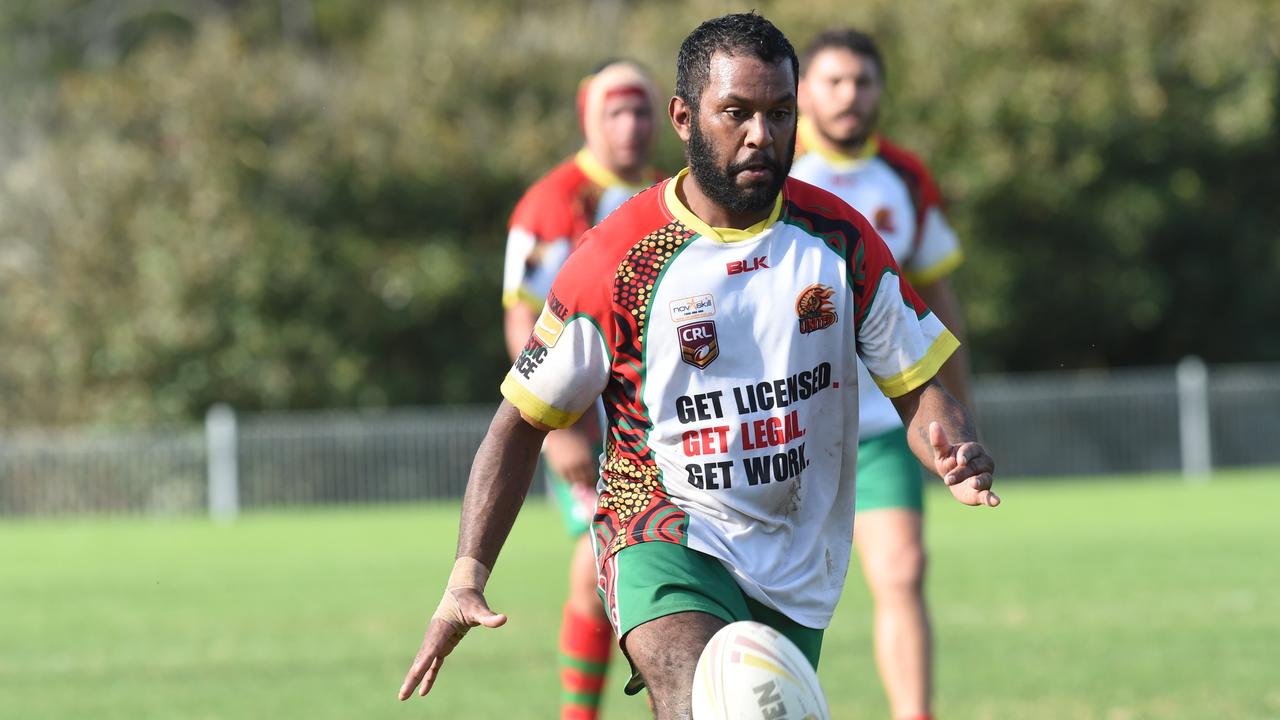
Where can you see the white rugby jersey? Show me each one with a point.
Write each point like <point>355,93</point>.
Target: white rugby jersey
<point>727,364</point>
<point>895,191</point>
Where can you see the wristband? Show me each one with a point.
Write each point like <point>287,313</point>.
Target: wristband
<point>467,573</point>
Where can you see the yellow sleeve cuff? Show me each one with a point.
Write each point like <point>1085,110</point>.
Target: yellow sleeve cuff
<point>533,406</point>
<point>925,368</point>
<point>520,295</point>
<point>937,271</point>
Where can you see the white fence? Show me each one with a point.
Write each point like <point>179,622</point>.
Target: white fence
<point>1135,420</point>
<point>274,460</point>
<point>1050,424</point>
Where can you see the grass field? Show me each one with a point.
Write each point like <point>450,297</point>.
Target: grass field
<point>1116,599</point>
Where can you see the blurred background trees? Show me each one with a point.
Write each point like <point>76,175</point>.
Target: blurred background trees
<point>302,203</point>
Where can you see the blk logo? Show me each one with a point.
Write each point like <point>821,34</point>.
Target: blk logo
<point>737,267</point>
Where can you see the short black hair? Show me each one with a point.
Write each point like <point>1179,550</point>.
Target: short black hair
<point>855,41</point>
<point>736,34</point>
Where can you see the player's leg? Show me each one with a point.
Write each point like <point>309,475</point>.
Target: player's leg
<point>893,562</point>
<point>666,601</point>
<point>888,534</point>
<point>665,653</point>
<point>586,638</point>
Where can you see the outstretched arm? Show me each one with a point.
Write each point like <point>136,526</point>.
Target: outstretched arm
<point>942,437</point>
<point>499,480</point>
<point>941,298</point>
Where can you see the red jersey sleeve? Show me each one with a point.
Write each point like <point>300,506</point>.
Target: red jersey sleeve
<point>565,365</point>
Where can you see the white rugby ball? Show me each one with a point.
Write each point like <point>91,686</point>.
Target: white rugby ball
<point>751,671</point>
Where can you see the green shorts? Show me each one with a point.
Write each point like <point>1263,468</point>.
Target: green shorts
<point>575,515</point>
<point>654,579</point>
<point>889,475</point>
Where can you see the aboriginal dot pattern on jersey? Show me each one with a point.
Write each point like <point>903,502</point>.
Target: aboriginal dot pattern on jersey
<point>639,270</point>
<point>634,501</point>
<point>634,506</point>
<point>633,286</point>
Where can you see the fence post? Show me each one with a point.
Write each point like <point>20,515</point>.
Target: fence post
<point>1193,419</point>
<point>224,483</point>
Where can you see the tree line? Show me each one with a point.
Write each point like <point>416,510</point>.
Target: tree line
<point>301,204</point>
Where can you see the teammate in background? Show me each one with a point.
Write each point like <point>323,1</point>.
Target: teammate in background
<point>841,84</point>
<point>719,315</point>
<point>616,111</point>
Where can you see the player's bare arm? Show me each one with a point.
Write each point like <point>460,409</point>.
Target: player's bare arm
<point>517,324</point>
<point>941,298</point>
<point>499,480</point>
<point>942,436</point>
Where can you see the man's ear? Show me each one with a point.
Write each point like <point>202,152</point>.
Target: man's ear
<point>681,117</point>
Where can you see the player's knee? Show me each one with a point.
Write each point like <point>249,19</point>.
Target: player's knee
<point>668,674</point>
<point>665,651</point>
<point>899,572</point>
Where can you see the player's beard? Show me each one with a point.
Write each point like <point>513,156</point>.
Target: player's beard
<point>718,182</point>
<point>853,140</point>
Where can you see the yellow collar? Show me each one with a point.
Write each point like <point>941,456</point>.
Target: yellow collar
<point>597,173</point>
<point>812,142</point>
<point>722,235</point>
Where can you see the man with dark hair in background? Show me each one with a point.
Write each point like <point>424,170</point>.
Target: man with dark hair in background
<point>841,85</point>
<point>718,315</point>
<point>616,109</point>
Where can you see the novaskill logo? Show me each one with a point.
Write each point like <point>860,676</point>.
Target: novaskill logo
<point>692,308</point>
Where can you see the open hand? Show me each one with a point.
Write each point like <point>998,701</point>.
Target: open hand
<point>443,636</point>
<point>966,468</point>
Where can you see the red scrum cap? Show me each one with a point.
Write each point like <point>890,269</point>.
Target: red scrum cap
<point>619,78</point>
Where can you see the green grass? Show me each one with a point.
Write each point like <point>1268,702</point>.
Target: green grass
<point>1115,599</point>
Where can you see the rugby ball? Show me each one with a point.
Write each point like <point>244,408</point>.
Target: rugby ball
<point>749,670</point>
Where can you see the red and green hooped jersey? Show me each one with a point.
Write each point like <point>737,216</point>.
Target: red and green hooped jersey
<point>726,360</point>
<point>550,219</point>
<point>895,191</point>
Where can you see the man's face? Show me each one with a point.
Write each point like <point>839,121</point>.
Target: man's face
<point>741,140</point>
<point>840,93</point>
<point>626,132</point>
